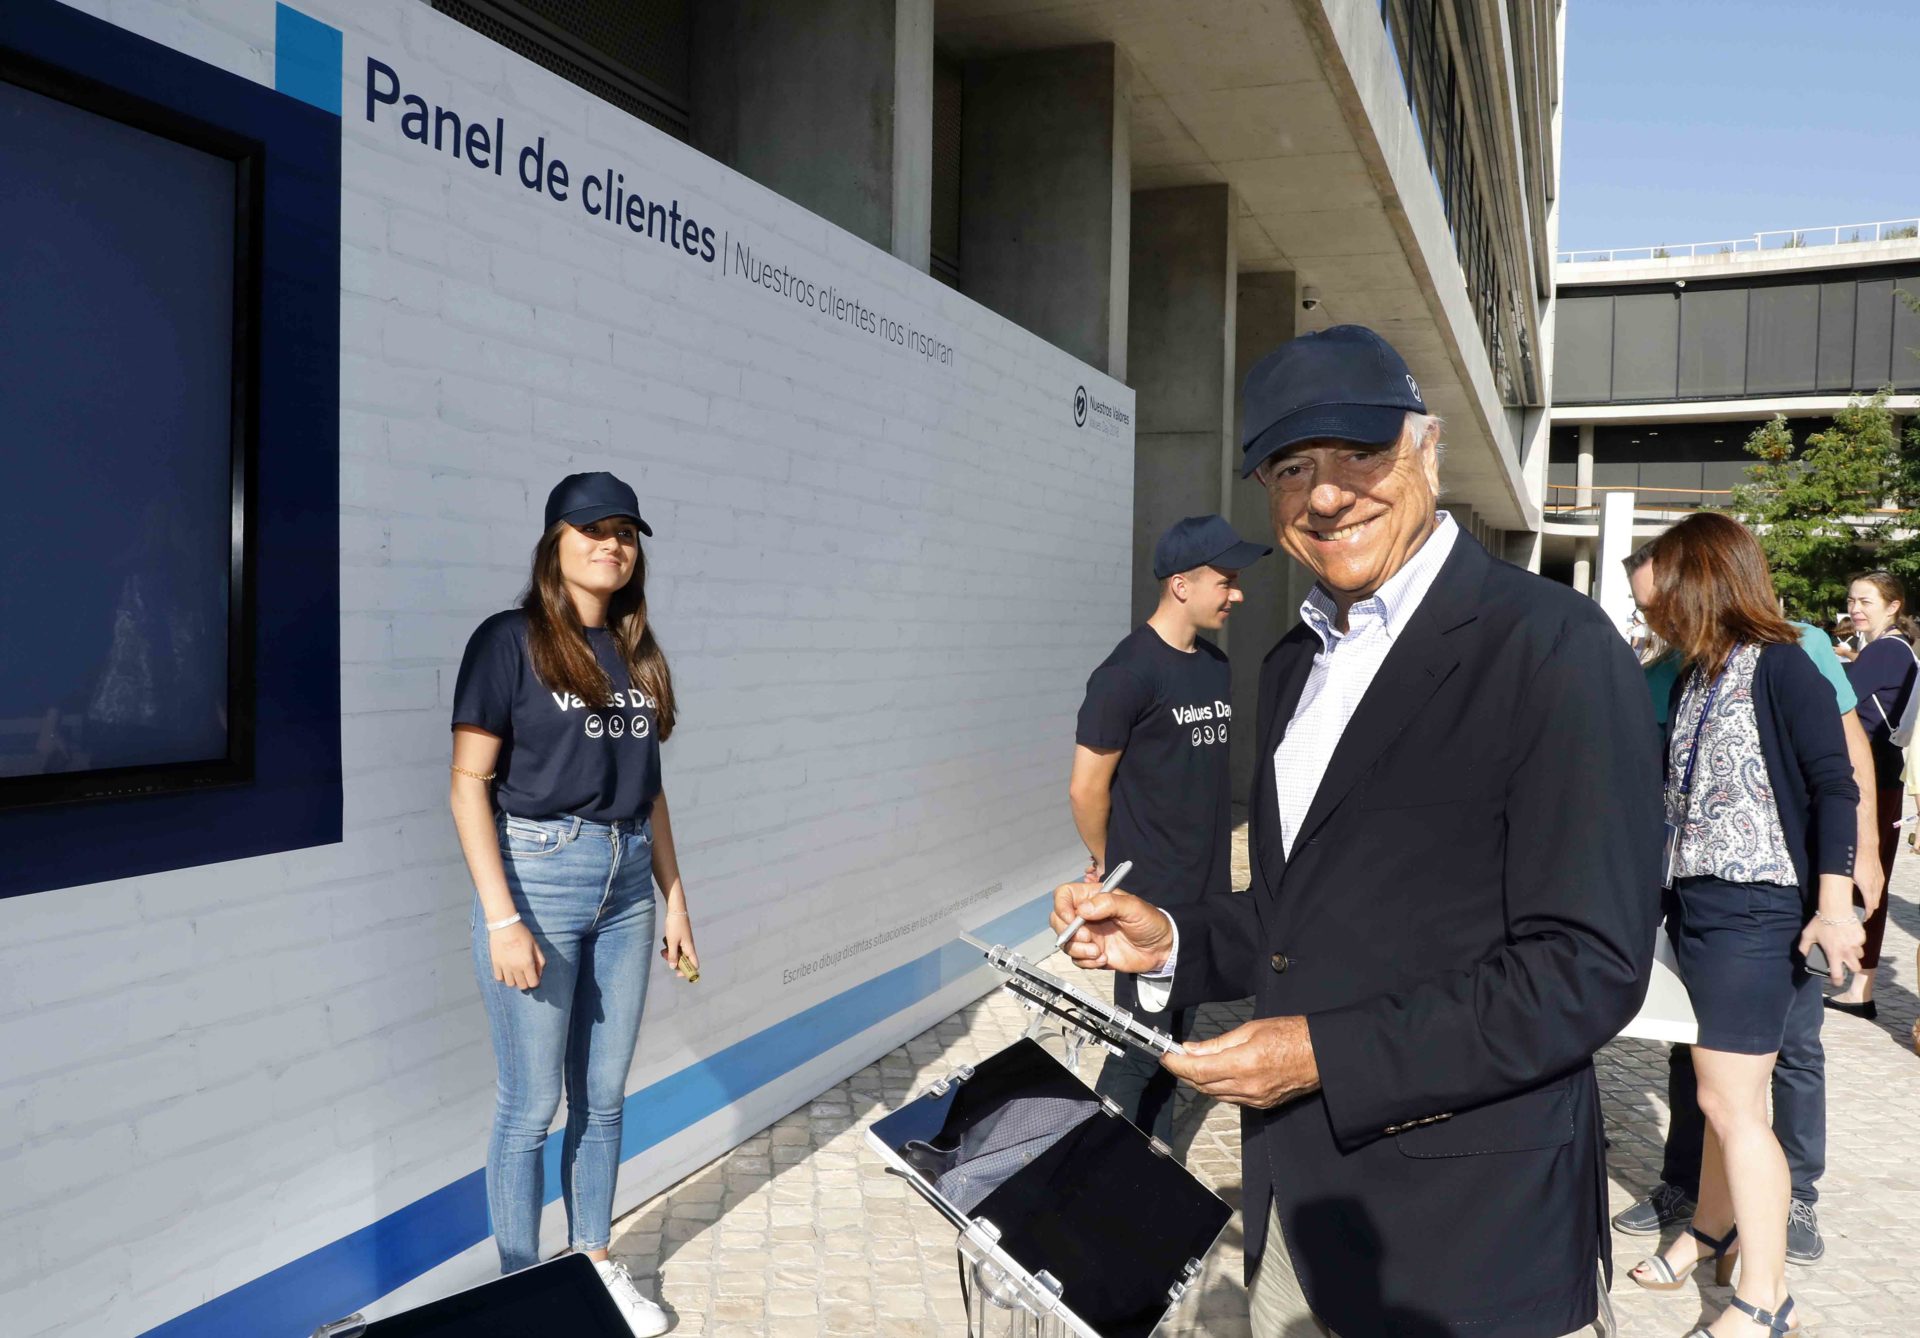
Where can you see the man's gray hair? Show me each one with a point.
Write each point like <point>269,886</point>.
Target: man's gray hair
<point>1418,425</point>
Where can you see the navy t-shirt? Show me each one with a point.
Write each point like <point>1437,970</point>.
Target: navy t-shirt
<point>1168,710</point>
<point>558,755</point>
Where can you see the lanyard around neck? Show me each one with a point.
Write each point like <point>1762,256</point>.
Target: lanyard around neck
<point>1706,709</point>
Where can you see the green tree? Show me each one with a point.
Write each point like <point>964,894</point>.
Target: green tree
<point>1819,512</point>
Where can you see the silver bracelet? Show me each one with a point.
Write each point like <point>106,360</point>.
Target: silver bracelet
<point>1828,920</point>
<point>494,926</point>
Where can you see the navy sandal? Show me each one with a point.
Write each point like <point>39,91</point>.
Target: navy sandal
<point>1775,1320</point>
<point>1661,1276</point>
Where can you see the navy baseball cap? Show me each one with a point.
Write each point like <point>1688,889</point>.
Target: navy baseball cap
<point>1346,383</point>
<point>581,499</point>
<point>1203,541</point>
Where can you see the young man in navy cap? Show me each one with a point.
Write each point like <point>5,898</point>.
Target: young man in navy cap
<point>1455,838</point>
<point>1150,764</point>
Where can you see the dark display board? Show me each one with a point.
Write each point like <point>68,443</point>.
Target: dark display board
<point>170,389</point>
<point>125,379</point>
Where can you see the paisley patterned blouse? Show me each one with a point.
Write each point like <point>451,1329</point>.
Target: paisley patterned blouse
<point>1729,825</point>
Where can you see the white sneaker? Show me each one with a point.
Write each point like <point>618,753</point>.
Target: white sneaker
<point>644,1317</point>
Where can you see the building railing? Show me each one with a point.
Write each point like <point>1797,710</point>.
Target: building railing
<point>1564,500</point>
<point>1786,239</point>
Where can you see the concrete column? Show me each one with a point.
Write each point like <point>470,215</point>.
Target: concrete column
<point>1180,347</point>
<point>1610,588</point>
<point>1583,471</point>
<point>782,86</point>
<point>1463,516</point>
<point>1045,181</point>
<point>1523,546</point>
<point>913,131</point>
<point>1583,498</point>
<point>1264,318</point>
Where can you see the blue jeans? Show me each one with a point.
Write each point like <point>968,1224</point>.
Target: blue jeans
<point>585,889</point>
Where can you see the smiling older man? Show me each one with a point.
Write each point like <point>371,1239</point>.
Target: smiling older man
<point>1455,843</point>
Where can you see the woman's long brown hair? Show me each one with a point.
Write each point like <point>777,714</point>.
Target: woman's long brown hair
<point>1712,590</point>
<point>558,643</point>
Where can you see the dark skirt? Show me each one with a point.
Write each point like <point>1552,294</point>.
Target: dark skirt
<point>1736,944</point>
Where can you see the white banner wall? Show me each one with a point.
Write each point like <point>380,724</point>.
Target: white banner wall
<point>891,540</point>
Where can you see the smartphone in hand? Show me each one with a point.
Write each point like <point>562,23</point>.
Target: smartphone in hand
<point>1817,964</point>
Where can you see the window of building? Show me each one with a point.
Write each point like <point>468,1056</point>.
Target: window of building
<point>1583,360</point>
<point>1646,343</point>
<point>1713,343</point>
<point>1843,332</point>
<point>944,247</point>
<point>632,53</point>
<point>1783,338</point>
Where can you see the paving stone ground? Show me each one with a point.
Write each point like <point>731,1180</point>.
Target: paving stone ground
<point>800,1231</point>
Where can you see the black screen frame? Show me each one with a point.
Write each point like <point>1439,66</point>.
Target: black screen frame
<point>247,155</point>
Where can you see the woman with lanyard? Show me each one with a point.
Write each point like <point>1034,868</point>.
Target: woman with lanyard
<point>1760,847</point>
<point>558,715</point>
<point>1882,675</point>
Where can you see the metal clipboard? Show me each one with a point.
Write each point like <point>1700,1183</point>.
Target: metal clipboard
<point>1104,1231</point>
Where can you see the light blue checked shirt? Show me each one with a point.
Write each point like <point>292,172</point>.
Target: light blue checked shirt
<point>1342,672</point>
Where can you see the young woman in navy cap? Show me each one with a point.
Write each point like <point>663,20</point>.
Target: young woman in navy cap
<point>558,716</point>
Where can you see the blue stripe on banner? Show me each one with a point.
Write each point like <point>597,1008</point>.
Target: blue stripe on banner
<point>340,1278</point>
<point>306,59</point>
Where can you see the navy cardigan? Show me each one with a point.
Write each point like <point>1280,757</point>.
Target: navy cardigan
<point>1807,764</point>
<point>1882,677</point>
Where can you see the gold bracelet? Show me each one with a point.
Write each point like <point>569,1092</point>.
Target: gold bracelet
<point>462,771</point>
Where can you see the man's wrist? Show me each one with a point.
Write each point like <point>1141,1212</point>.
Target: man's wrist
<point>1309,1061</point>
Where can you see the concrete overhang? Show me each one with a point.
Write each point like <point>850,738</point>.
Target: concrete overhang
<point>1297,105</point>
<point>1710,411</point>
<point>1736,264</point>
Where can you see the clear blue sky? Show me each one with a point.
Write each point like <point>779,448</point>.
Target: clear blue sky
<point>1697,120</point>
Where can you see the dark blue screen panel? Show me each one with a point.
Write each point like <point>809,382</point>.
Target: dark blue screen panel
<point>287,409</point>
<point>116,386</point>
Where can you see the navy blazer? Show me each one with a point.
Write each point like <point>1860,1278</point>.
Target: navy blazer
<point>1468,915</point>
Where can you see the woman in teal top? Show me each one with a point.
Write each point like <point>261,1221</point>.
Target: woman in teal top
<point>1819,647</point>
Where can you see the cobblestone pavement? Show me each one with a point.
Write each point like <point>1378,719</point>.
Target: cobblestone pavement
<point>799,1230</point>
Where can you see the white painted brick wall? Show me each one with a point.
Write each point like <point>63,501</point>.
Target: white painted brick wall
<point>881,584</point>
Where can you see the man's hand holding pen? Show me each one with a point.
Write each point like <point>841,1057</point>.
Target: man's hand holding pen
<point>1120,932</point>
<point>1261,1064</point>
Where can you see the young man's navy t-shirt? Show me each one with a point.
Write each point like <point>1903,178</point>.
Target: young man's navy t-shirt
<point>1169,711</point>
<point>559,755</point>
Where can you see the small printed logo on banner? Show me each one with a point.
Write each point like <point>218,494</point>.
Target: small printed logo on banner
<point>1106,419</point>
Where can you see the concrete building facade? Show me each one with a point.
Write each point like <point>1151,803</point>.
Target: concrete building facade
<point>980,281</point>
<point>1665,364</point>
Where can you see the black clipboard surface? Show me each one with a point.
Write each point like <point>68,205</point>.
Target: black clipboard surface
<point>1108,1215</point>
<point>563,1296</point>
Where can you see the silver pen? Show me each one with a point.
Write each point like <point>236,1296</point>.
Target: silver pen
<point>1120,870</point>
